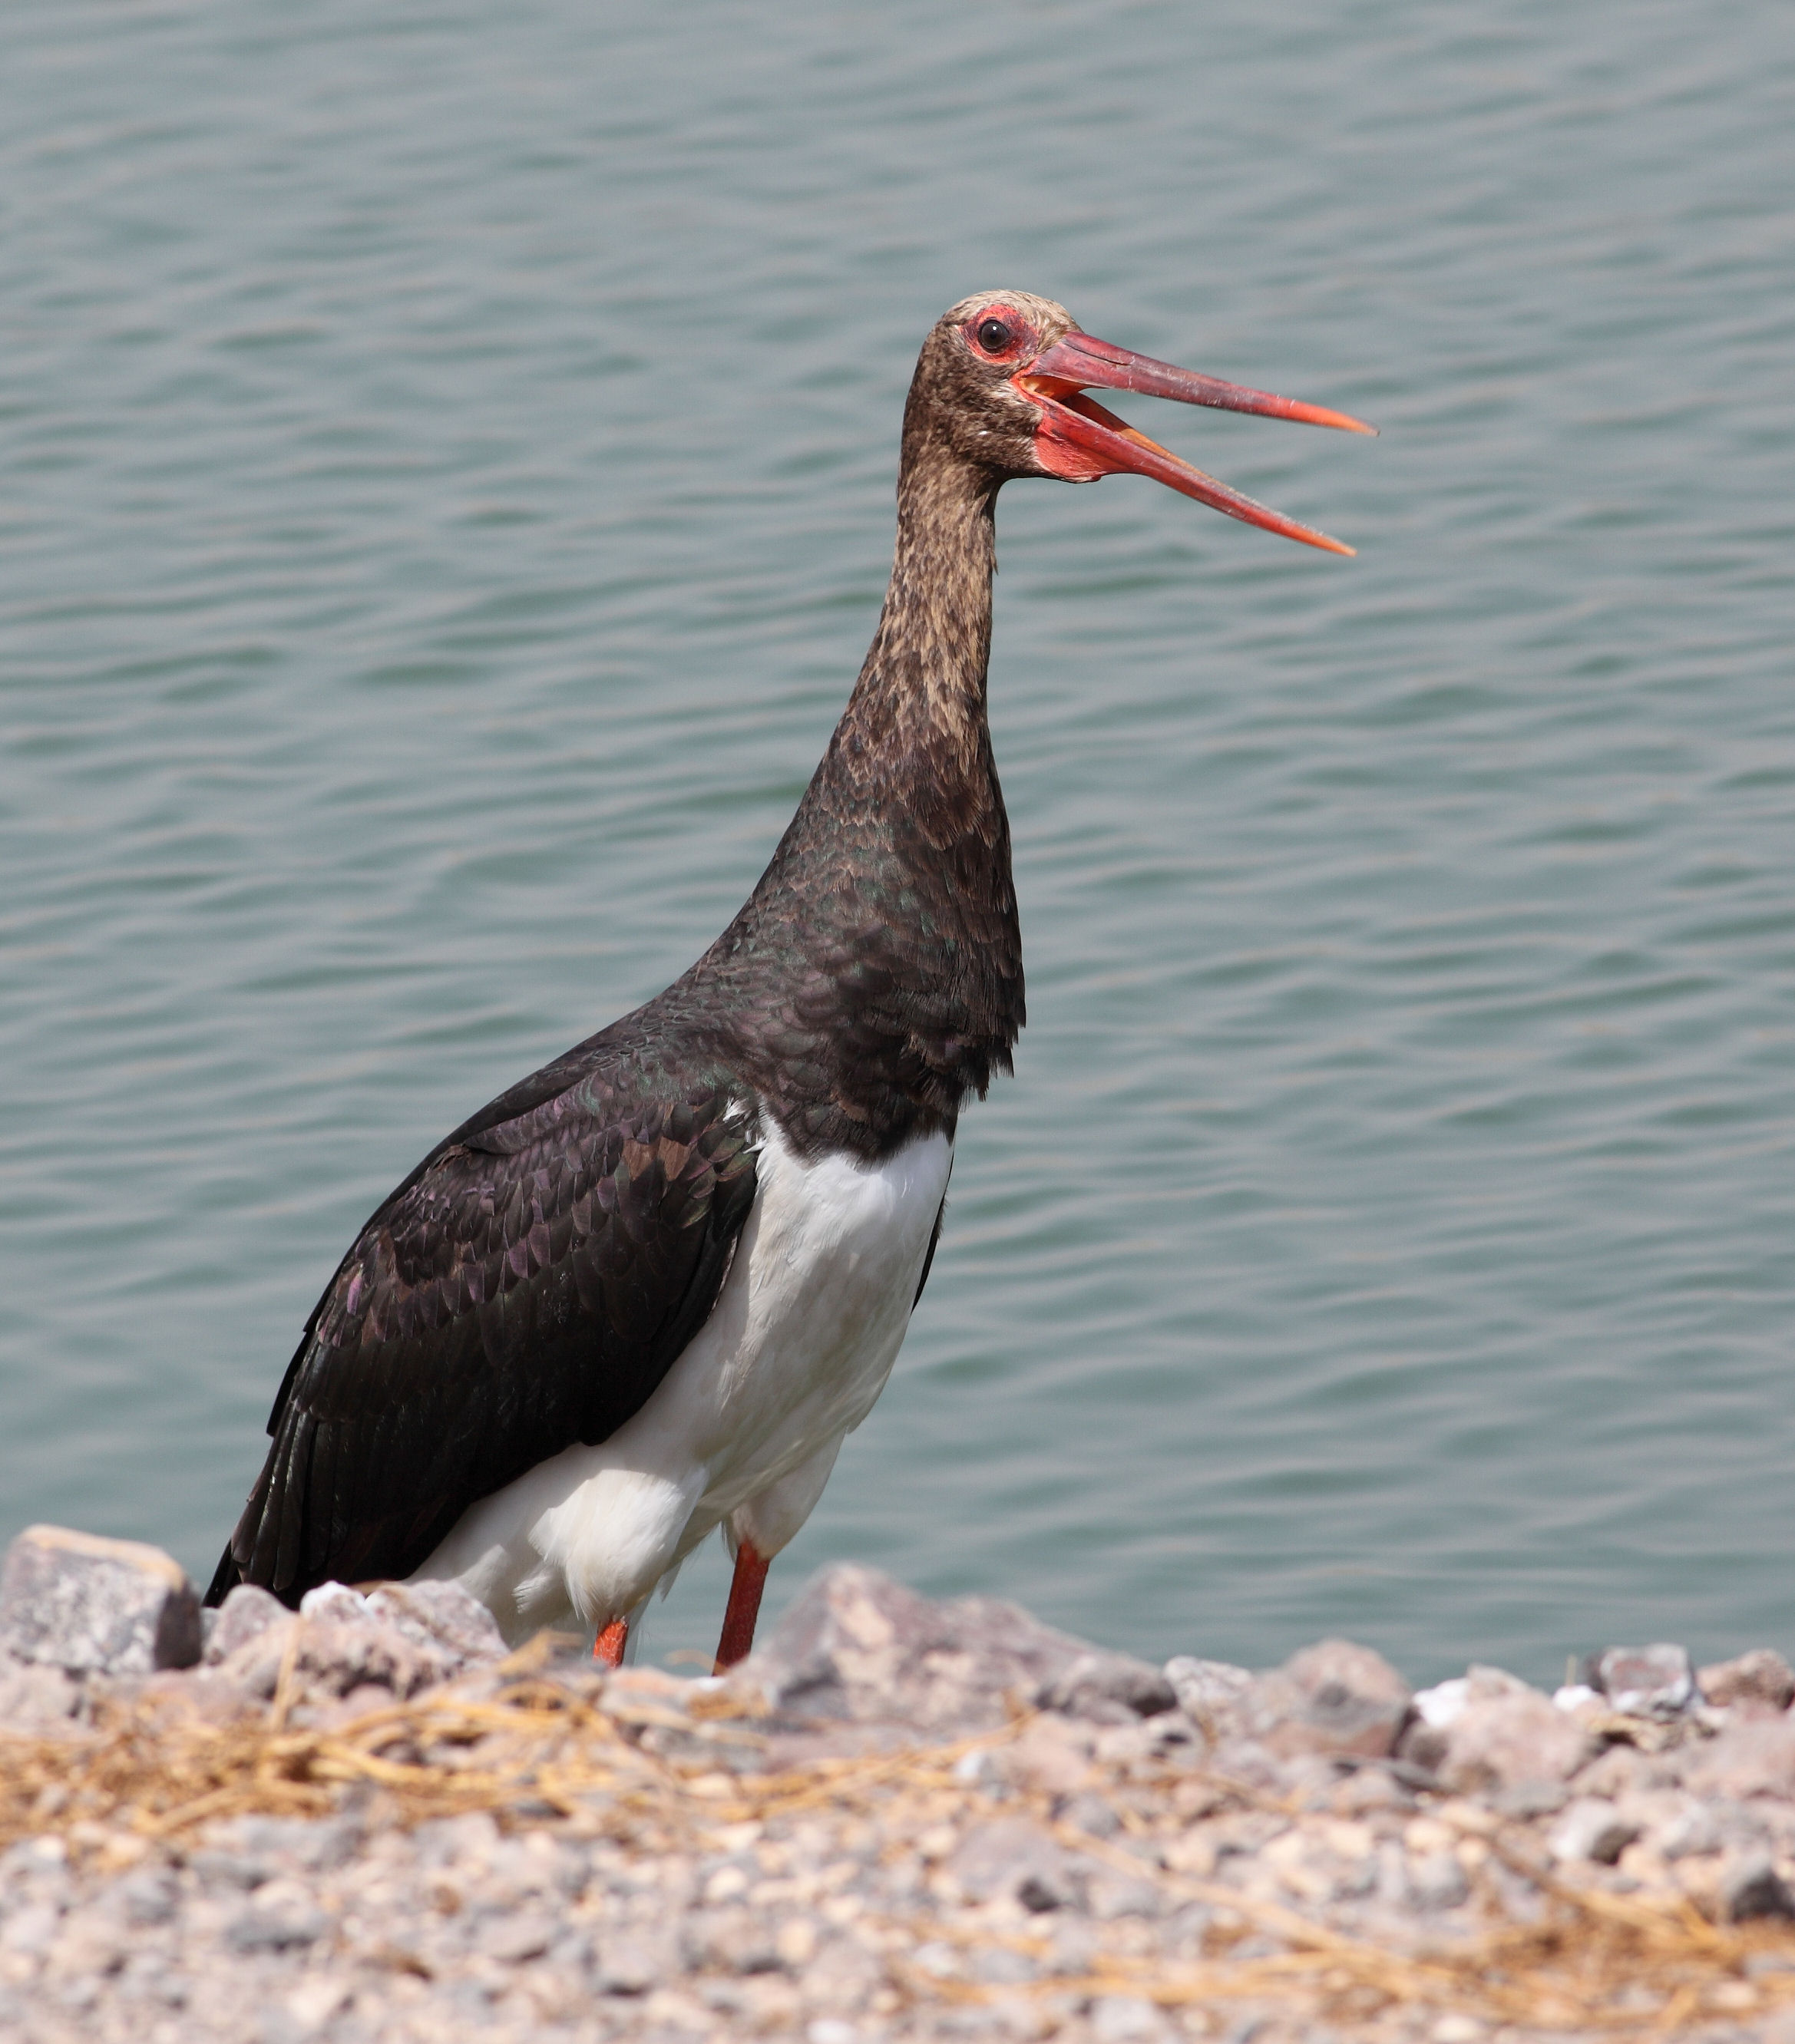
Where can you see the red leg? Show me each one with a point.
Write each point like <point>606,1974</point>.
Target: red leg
<point>607,1647</point>
<point>744,1606</point>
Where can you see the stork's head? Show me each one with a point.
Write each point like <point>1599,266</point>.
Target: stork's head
<point>1002,379</point>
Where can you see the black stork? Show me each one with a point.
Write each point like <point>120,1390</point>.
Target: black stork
<point>646,1292</point>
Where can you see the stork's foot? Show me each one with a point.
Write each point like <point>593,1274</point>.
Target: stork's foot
<point>607,1647</point>
<point>749,1580</point>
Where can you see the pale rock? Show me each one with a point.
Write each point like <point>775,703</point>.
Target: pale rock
<point>96,1607</point>
<point>1209,1692</point>
<point>1091,1814</point>
<point>1755,1758</point>
<point>1050,1754</point>
<point>1655,1681</point>
<point>513,1937</point>
<point>254,1665</point>
<point>1579,1699</point>
<point>149,1897</point>
<point>856,1644</point>
<point>1014,1856</point>
<point>1114,1894</point>
<point>31,1930</point>
<point>626,1966</point>
<point>1760,1676</point>
<point>1103,1687</point>
<point>1333,1698</point>
<point>1750,1887</point>
<point>1499,1740</point>
<point>1437,1880</point>
<point>397,1640</point>
<point>33,1697</point>
<point>1591,1829</point>
<point>283,1917</point>
<point>1446,1702</point>
<point>1127,2019</point>
<point>1693,1829</point>
<point>333,1601</point>
<point>444,1616</point>
<point>312,2004</point>
<point>795,1943</point>
<point>245,1614</point>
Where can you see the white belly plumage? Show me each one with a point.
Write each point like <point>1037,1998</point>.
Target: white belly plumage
<point>745,1426</point>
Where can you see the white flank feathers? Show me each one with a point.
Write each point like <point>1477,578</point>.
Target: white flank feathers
<point>746,1425</point>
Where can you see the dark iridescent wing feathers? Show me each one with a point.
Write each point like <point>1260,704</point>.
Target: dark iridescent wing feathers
<point>524,1289</point>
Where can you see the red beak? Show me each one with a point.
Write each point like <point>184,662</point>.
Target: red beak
<point>1078,440</point>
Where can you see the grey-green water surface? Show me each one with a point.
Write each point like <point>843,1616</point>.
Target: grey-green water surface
<point>445,491</point>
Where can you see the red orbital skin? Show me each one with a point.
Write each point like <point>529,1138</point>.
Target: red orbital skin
<point>749,1580</point>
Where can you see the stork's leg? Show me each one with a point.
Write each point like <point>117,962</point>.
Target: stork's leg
<point>607,1647</point>
<point>749,1580</point>
<point>760,1530</point>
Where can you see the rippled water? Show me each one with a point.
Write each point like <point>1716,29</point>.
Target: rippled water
<point>445,492</point>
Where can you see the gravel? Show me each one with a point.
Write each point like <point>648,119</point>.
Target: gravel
<point>899,1820</point>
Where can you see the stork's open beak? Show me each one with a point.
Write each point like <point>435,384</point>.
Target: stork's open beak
<point>1078,440</point>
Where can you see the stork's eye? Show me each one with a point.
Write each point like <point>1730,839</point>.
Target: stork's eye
<point>994,337</point>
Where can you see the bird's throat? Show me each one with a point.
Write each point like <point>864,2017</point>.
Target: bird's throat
<point>921,693</point>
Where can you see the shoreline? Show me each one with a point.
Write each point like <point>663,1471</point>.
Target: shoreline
<point>898,1820</point>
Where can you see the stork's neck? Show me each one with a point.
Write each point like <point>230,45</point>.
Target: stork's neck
<point>920,701</point>
<point>874,977</point>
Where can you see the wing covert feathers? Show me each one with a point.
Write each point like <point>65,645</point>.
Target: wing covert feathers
<point>527,1288</point>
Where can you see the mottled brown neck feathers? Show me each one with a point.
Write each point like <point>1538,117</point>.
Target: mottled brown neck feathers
<point>874,978</point>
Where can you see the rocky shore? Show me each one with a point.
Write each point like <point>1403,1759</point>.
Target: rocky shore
<point>899,1820</point>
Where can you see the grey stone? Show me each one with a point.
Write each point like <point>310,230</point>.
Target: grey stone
<point>1760,1676</point>
<point>246,1614</point>
<point>33,1697</point>
<point>217,1868</point>
<point>1334,1698</point>
<point>511,1939</point>
<point>31,1930</point>
<point>150,1895</point>
<point>1750,1887</point>
<point>1108,1688</point>
<point>998,1966</point>
<point>443,1616</point>
<point>1014,1856</point>
<point>1591,1829</point>
<point>467,1840</point>
<point>401,1637</point>
<point>1093,1814</point>
<point>315,1844</point>
<point>1654,1682</point>
<point>856,1644</point>
<point>625,1966</point>
<point>1114,1895</point>
<point>1437,1881</point>
<point>1505,1740</point>
<point>1127,2019</point>
<point>731,1940</point>
<point>282,1924</point>
<point>1749,1759</point>
<point>92,1606</point>
<point>1691,1831</point>
<point>1209,1691</point>
<point>254,1665</point>
<point>1528,1800</point>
